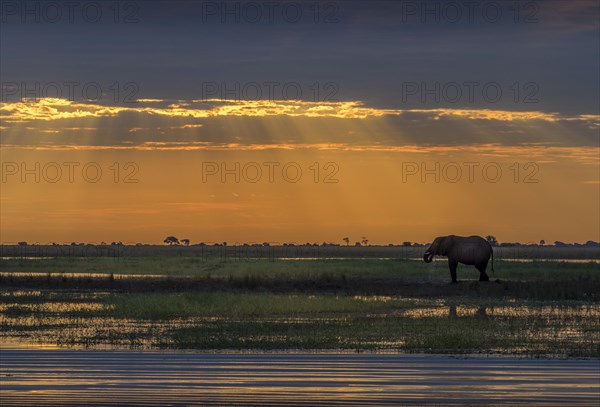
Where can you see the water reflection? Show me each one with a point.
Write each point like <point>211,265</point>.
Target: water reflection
<point>86,319</point>
<point>52,377</point>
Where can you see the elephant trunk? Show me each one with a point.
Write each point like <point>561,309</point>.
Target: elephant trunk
<point>427,257</point>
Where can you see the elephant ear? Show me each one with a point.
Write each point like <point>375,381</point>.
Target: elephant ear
<point>434,247</point>
<point>446,245</point>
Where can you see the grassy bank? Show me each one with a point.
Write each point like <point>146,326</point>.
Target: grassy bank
<point>534,281</point>
<point>290,269</point>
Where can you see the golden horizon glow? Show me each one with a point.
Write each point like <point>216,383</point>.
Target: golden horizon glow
<point>370,148</point>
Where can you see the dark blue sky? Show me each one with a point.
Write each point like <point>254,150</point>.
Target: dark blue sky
<point>368,48</point>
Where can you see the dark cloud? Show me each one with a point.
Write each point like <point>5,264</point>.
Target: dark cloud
<point>371,50</point>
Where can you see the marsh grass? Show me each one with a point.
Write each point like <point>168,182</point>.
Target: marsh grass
<point>249,269</point>
<point>266,321</point>
<point>576,285</point>
<point>189,304</point>
<point>536,308</point>
<point>438,334</point>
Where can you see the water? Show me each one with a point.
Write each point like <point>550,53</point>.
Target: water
<point>46,376</point>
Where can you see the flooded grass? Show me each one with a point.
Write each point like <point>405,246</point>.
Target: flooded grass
<point>201,320</point>
<point>536,308</point>
<point>164,306</point>
<point>513,335</point>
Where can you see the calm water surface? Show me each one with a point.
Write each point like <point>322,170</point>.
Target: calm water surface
<point>70,377</point>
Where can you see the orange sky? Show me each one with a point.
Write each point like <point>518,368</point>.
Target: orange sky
<point>372,159</point>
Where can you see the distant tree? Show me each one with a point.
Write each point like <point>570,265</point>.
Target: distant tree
<point>224,243</point>
<point>492,239</point>
<point>357,244</point>
<point>542,242</point>
<point>559,244</point>
<point>22,243</point>
<point>171,240</point>
<point>346,240</point>
<point>406,244</point>
<point>186,242</point>
<point>364,240</point>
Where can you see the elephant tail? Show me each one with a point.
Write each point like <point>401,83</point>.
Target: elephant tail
<point>492,250</point>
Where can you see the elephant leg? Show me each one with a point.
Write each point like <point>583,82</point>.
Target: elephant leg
<point>452,264</point>
<point>482,274</point>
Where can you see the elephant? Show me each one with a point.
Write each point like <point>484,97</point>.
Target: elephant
<point>471,250</point>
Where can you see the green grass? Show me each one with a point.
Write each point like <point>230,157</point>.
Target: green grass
<point>456,326</point>
<point>267,321</point>
<point>541,280</point>
<point>291,269</point>
<point>436,334</point>
<point>191,304</point>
